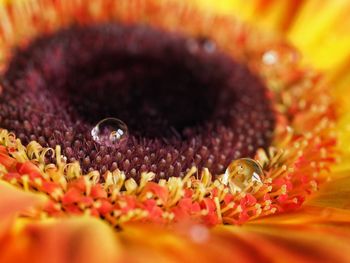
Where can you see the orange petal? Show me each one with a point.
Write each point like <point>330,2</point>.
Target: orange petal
<point>307,215</point>
<point>250,243</point>
<point>14,200</point>
<point>293,243</point>
<point>333,194</point>
<point>89,240</point>
<point>72,240</point>
<point>313,234</point>
<point>187,243</point>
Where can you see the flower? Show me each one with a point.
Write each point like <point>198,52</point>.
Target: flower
<point>244,169</point>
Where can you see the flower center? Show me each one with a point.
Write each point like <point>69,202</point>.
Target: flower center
<point>184,101</point>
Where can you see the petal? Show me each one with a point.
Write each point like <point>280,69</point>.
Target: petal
<point>314,27</point>
<point>284,238</point>
<point>343,129</point>
<point>71,240</point>
<point>296,243</point>
<point>274,15</point>
<point>14,200</point>
<point>307,215</point>
<point>276,239</point>
<point>313,234</point>
<point>320,27</point>
<point>185,243</point>
<point>334,194</point>
<point>250,243</point>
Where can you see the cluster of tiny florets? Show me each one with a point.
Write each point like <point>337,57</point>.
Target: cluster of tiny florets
<point>185,102</point>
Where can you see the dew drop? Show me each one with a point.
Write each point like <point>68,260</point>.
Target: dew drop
<point>192,46</point>
<point>243,172</point>
<point>110,132</point>
<point>64,158</point>
<point>270,57</point>
<point>209,46</point>
<point>199,233</point>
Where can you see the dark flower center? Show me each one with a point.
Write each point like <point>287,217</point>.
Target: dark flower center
<point>184,101</point>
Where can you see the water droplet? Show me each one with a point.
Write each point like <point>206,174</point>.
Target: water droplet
<point>199,233</point>
<point>192,46</point>
<point>64,158</point>
<point>242,172</point>
<point>110,132</point>
<point>270,57</point>
<point>209,46</point>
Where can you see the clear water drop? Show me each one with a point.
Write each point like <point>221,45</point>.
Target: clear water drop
<point>242,172</point>
<point>192,46</point>
<point>199,233</point>
<point>209,46</point>
<point>64,158</point>
<point>270,57</point>
<point>110,132</point>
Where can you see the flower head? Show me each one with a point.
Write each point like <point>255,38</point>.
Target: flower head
<point>115,113</point>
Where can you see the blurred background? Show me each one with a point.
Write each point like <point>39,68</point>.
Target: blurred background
<point>320,29</point>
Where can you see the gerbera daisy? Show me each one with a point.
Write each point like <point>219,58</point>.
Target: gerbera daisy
<point>147,130</point>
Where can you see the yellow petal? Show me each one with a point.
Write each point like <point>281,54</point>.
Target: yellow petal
<point>321,30</point>
<point>273,15</point>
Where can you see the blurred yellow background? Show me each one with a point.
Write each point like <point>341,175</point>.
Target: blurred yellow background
<point>320,29</point>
